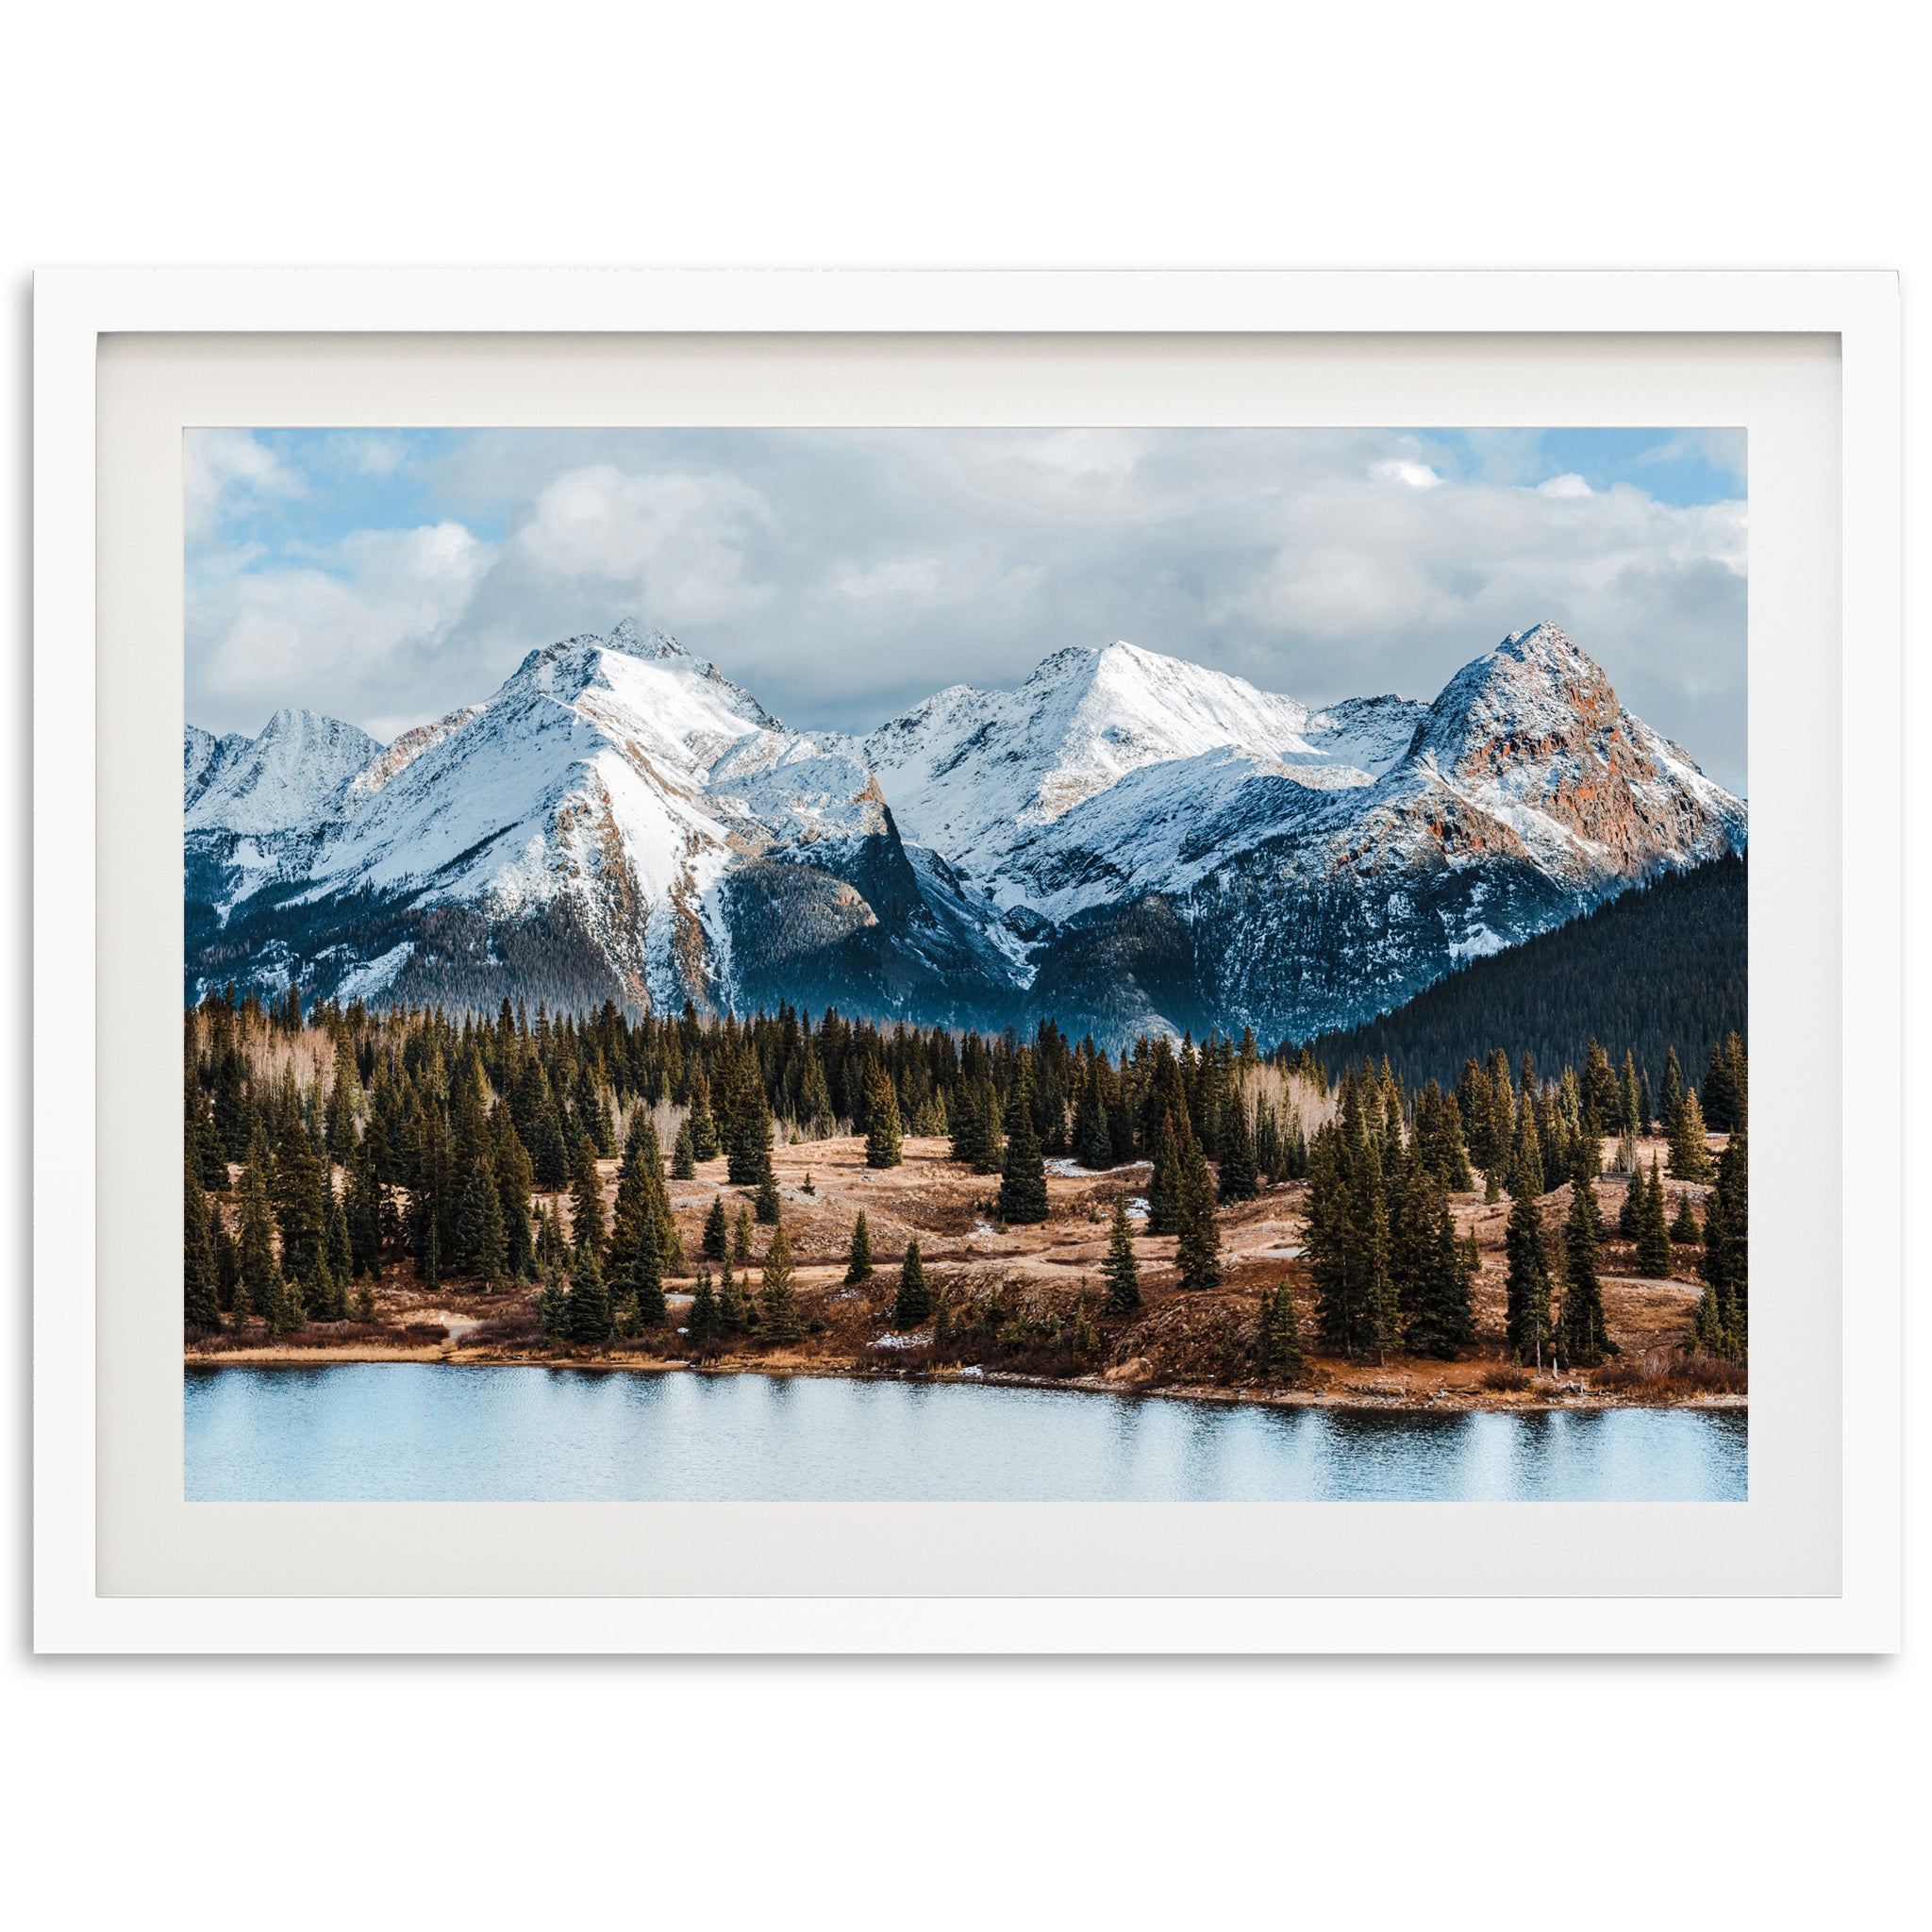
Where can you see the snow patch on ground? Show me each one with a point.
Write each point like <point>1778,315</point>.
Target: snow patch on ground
<point>913,1340</point>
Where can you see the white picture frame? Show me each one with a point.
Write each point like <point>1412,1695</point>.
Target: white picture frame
<point>75,1400</point>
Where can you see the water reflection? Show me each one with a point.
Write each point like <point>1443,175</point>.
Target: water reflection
<point>433,1432</point>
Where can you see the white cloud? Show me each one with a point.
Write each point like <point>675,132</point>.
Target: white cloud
<point>225,469</point>
<point>843,575</point>
<point>899,576</point>
<point>677,538</point>
<point>1722,449</point>
<point>1570,484</point>
<point>1417,475</point>
<point>309,635</point>
<point>368,453</point>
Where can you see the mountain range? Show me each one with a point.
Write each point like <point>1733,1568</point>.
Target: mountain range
<point>1127,841</point>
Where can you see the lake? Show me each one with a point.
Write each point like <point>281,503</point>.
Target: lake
<point>431,1432</point>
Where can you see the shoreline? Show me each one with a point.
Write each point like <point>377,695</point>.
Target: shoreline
<point>1573,1399</point>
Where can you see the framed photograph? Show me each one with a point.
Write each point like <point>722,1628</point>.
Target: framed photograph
<point>966,963</point>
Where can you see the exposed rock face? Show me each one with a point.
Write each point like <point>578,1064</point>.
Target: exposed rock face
<point>1127,843</point>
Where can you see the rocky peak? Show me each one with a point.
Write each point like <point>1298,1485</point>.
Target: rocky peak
<point>652,646</point>
<point>1534,697</point>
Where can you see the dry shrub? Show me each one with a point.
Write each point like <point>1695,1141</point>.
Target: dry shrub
<point>1661,1373</point>
<point>1508,1379</point>
<point>512,1329</point>
<point>416,1333</point>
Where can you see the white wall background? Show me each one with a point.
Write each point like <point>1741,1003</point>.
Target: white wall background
<point>1000,134</point>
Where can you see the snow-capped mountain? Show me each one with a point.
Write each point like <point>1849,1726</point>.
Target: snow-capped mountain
<point>1128,840</point>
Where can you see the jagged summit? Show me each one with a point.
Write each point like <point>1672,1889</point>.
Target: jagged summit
<point>1126,841</point>
<point>293,773</point>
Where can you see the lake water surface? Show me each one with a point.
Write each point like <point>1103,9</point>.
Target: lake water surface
<point>429,1432</point>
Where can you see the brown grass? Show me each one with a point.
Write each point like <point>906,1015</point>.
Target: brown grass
<point>1661,1373</point>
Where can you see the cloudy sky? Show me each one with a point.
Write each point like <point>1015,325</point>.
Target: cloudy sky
<point>386,577</point>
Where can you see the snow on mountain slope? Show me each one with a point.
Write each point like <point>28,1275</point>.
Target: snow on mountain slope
<point>620,774</point>
<point>401,752</point>
<point>1373,734</point>
<point>204,757</point>
<point>289,779</point>
<point>1126,841</point>
<point>971,773</point>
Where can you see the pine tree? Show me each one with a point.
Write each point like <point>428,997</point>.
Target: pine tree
<point>859,1261</point>
<point>914,1300</point>
<point>778,1305</point>
<point>201,1311</point>
<point>587,1315</point>
<point>1670,1096</point>
<point>1710,1332</point>
<point>1197,1253</point>
<point>1119,1269</point>
<point>1278,1338</point>
<point>1023,1178</point>
<point>882,1128</point>
<point>992,1132</point>
<point>966,1126</point>
<point>1630,1215</point>
<point>514,1176</point>
<point>714,1246</point>
<point>703,1325</point>
<point>730,1305</point>
<point>328,1294</point>
<point>1583,1339</point>
<point>765,1202</point>
<point>1685,1228</point>
<point>1240,1178</point>
<point>748,1155</point>
<point>1527,1171</point>
<point>1442,1323</point>
<point>587,1198</point>
<point>1347,1236</point>
<point>1654,1231</point>
<point>684,1156</point>
<point>1164,1184</point>
<point>1092,1136</point>
<point>1630,1117</point>
<point>1720,1092</point>
<point>258,1284</point>
<point>702,1123</point>
<point>741,1238</point>
<point>1527,1322</point>
<point>1725,1263</point>
<point>648,1276</point>
<point>479,1250</point>
<point>227,1257</point>
<point>1690,1151</point>
<point>344,1097</point>
<point>703,1130</point>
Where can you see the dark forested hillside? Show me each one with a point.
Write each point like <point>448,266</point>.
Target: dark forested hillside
<point>1661,967</point>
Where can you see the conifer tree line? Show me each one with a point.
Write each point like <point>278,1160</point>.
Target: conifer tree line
<point>322,1146</point>
<point>1661,968</point>
<point>444,1128</point>
<point>1388,1267</point>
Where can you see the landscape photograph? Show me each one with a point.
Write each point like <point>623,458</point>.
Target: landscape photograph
<point>966,964</point>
